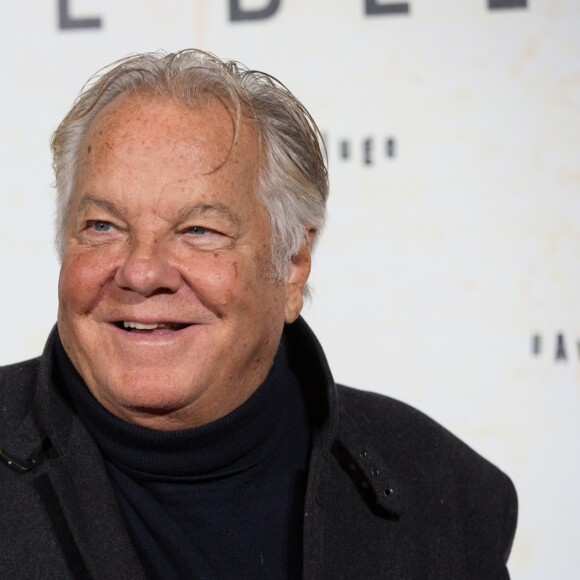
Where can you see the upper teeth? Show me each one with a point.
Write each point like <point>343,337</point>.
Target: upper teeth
<point>141,325</point>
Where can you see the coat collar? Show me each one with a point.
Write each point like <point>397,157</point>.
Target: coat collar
<point>335,437</point>
<point>52,430</point>
<point>336,433</point>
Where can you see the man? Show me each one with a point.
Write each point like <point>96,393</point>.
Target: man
<point>182,421</point>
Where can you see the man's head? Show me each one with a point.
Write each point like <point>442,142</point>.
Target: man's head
<point>293,183</point>
<point>190,192</point>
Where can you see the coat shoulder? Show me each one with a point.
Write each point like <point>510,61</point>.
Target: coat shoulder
<point>17,390</point>
<point>397,428</point>
<point>438,465</point>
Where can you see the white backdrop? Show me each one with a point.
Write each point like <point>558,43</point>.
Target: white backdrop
<point>448,273</point>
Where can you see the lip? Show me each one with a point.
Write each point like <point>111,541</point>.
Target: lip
<point>156,337</point>
<point>148,319</point>
<point>134,325</point>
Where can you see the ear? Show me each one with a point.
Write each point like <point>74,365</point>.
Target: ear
<point>298,273</point>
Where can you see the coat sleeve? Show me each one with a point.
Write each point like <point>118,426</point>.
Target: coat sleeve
<point>509,523</point>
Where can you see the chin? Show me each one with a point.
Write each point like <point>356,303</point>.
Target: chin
<point>150,398</point>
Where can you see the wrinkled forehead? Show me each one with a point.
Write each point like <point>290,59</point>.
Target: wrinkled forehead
<point>142,117</point>
<point>205,128</point>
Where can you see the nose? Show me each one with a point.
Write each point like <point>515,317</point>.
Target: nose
<point>147,271</point>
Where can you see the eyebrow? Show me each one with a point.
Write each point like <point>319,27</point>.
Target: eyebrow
<point>90,201</point>
<point>202,209</point>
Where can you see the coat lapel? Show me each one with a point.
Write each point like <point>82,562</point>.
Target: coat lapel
<point>90,509</point>
<point>91,523</point>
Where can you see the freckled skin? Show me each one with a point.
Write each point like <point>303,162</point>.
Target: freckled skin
<point>131,255</point>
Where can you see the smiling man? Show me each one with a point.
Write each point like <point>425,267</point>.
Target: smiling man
<point>182,421</point>
<point>168,306</point>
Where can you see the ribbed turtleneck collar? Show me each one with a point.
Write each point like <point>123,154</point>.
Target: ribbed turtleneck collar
<point>233,443</point>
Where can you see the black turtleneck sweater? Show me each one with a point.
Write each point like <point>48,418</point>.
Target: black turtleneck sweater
<point>223,500</point>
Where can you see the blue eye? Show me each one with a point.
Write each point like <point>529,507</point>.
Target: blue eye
<point>101,226</point>
<point>197,230</point>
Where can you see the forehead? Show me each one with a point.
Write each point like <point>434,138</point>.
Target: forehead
<point>201,136</point>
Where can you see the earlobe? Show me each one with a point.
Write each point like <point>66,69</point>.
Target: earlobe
<point>298,273</point>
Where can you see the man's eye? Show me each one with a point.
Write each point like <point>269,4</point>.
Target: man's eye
<point>197,231</point>
<point>100,226</point>
<point>204,238</point>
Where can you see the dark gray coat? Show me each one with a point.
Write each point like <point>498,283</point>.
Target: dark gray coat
<point>391,494</point>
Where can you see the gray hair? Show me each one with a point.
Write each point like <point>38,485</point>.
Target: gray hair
<point>293,181</point>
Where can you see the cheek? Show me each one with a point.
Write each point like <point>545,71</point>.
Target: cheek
<point>81,280</point>
<point>213,278</point>
<point>224,280</point>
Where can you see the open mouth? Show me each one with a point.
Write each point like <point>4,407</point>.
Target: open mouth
<point>155,327</point>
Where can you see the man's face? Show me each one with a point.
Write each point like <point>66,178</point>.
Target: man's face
<point>167,305</point>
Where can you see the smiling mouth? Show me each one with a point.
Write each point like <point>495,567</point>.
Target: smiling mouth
<point>143,327</point>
